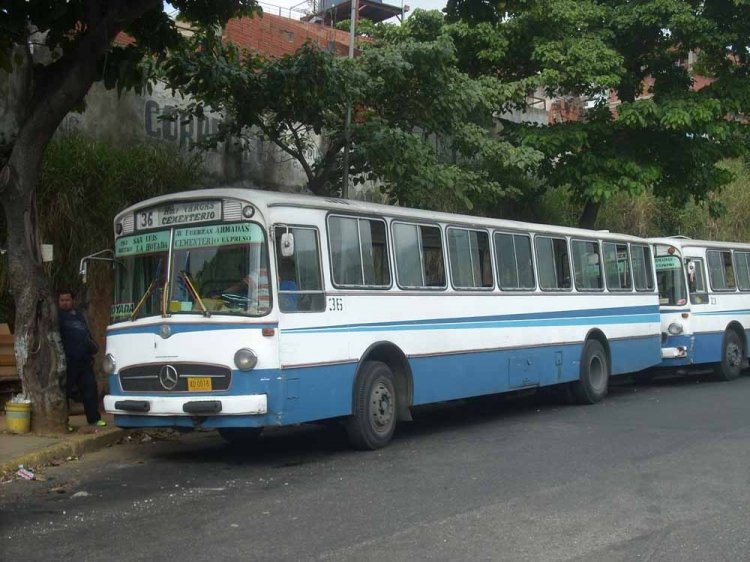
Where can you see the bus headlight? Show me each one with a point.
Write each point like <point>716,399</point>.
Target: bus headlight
<point>245,359</point>
<point>675,329</point>
<point>108,364</point>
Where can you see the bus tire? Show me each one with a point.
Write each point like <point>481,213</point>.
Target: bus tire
<point>593,384</point>
<point>375,412</point>
<point>732,355</point>
<point>240,436</point>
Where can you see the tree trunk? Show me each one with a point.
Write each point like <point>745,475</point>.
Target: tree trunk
<point>589,214</point>
<point>40,358</point>
<point>43,96</point>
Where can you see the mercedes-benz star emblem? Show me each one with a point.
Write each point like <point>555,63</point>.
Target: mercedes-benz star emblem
<point>168,377</point>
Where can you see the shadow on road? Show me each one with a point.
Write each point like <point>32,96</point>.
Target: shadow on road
<point>315,442</point>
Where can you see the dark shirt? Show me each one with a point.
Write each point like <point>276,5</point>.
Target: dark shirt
<point>75,336</point>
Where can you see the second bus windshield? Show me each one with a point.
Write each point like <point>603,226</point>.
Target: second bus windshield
<point>671,280</point>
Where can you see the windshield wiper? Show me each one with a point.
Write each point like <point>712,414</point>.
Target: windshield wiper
<point>145,297</point>
<point>193,291</point>
<point>148,292</point>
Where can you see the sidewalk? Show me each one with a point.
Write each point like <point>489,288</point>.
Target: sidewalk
<point>33,450</point>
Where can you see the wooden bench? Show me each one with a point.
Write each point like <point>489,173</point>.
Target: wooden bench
<point>9,381</point>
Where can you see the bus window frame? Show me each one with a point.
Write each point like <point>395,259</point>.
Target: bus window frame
<point>697,297</point>
<point>568,257</point>
<point>490,249</point>
<point>630,266</point>
<point>322,290</point>
<point>723,271</point>
<point>386,232</point>
<point>443,251</point>
<point>603,288</point>
<point>532,253</point>
<point>652,254</point>
<point>735,253</point>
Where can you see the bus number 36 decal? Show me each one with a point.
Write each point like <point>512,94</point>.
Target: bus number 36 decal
<point>335,304</point>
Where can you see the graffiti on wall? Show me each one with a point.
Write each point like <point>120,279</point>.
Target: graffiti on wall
<point>71,123</point>
<point>167,123</point>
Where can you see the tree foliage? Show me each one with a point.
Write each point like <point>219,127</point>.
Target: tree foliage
<point>665,136</point>
<point>86,182</point>
<point>422,128</point>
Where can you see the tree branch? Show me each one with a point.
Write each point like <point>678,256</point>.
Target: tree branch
<point>298,156</point>
<point>62,84</point>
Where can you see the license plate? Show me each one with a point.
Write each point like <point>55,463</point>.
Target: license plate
<point>199,384</point>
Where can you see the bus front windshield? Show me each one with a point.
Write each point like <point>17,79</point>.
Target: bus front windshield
<point>220,269</point>
<point>671,281</point>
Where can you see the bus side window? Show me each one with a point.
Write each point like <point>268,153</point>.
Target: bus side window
<point>515,270</point>
<point>696,281</point>
<point>552,263</point>
<point>742,260</point>
<point>587,265</point>
<point>617,266</point>
<point>300,284</point>
<point>642,267</point>
<point>419,256</point>
<point>721,270</point>
<point>359,252</point>
<point>469,253</point>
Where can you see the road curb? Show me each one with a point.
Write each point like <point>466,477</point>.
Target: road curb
<point>72,446</point>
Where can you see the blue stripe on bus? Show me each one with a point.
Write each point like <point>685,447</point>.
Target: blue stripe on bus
<point>188,328</point>
<point>304,394</point>
<point>620,315</point>
<point>723,312</point>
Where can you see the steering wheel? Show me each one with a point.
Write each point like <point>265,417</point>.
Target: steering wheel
<point>235,301</point>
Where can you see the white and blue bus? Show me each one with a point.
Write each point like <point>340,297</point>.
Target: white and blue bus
<point>704,295</point>
<point>238,309</point>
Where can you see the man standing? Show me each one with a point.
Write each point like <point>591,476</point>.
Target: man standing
<point>79,354</point>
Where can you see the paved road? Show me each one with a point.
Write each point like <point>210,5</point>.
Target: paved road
<point>660,472</point>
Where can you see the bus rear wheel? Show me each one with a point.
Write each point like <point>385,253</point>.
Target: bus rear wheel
<point>373,420</point>
<point>593,384</point>
<point>240,436</point>
<point>732,355</point>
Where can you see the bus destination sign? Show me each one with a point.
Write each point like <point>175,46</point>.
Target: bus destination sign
<point>183,213</point>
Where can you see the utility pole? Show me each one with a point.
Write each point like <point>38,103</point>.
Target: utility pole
<point>348,123</point>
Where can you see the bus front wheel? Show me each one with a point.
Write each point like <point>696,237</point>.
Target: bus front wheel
<point>593,383</point>
<point>732,354</point>
<point>373,420</point>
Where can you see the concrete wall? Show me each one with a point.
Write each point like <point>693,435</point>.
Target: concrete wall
<point>132,118</point>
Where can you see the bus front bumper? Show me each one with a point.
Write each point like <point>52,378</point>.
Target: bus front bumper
<point>149,405</point>
<point>678,352</point>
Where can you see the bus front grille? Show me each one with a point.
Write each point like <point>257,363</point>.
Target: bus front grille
<point>175,377</point>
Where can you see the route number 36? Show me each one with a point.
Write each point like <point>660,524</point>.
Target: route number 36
<point>335,304</point>
<point>145,219</point>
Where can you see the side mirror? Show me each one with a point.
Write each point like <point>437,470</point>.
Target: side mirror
<point>287,244</point>
<point>103,255</point>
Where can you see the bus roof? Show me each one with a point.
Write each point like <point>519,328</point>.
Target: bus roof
<point>681,242</point>
<point>270,199</point>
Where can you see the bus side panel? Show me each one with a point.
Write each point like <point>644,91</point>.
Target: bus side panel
<point>708,347</point>
<point>315,393</point>
<point>634,354</point>
<point>462,375</point>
